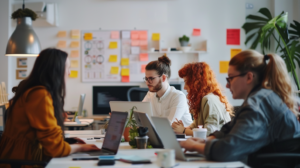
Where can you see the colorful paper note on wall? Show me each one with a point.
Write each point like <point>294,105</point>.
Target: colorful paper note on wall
<point>233,36</point>
<point>196,32</point>
<point>143,68</point>
<point>224,65</point>
<point>115,35</point>
<point>61,44</point>
<point>73,74</point>
<point>75,34</point>
<point>144,43</point>
<point>74,53</point>
<point>234,51</point>
<point>74,44</point>
<point>135,50</point>
<point>113,58</point>
<point>143,35</point>
<point>88,36</point>
<point>62,34</point>
<point>74,64</point>
<point>114,70</point>
<point>135,42</point>
<point>125,72</point>
<point>125,61</point>
<point>143,57</point>
<point>134,35</point>
<point>125,78</point>
<point>113,45</point>
<point>125,34</point>
<point>155,36</point>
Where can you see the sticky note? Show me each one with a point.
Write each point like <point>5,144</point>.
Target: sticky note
<point>88,36</point>
<point>135,42</point>
<point>61,44</point>
<point>143,43</point>
<point>125,34</point>
<point>143,57</point>
<point>74,53</point>
<point>143,35</point>
<point>224,65</point>
<point>125,61</point>
<point>74,44</point>
<point>115,35</point>
<point>233,36</point>
<point>125,79</point>
<point>75,34</point>
<point>62,34</point>
<point>113,58</point>
<point>74,63</point>
<point>196,32</point>
<point>135,50</point>
<point>234,51</point>
<point>125,72</point>
<point>134,35</point>
<point>73,74</point>
<point>143,68</point>
<point>114,70</point>
<point>155,36</point>
<point>113,45</point>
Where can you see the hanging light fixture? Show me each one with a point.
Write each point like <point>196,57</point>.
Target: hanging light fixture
<point>23,42</point>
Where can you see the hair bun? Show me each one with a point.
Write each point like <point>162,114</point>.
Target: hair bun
<point>164,59</point>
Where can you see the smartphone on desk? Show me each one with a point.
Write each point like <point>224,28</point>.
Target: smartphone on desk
<point>85,158</point>
<point>132,161</point>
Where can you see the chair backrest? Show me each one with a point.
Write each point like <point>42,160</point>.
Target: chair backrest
<point>141,92</point>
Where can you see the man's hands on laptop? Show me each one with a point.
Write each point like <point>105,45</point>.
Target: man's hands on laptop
<point>83,148</point>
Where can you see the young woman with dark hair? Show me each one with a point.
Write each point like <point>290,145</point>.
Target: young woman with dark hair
<point>34,128</point>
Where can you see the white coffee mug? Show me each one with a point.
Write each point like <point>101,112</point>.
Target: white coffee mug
<point>200,133</point>
<point>166,158</point>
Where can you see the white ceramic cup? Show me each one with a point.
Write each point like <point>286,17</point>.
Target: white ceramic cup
<point>199,133</point>
<point>166,158</point>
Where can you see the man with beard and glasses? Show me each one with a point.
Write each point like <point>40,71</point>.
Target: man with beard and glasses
<point>165,99</point>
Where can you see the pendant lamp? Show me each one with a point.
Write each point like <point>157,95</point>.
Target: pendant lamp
<point>23,42</point>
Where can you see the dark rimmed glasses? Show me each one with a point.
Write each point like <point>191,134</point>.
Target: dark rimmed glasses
<point>229,79</point>
<point>150,79</point>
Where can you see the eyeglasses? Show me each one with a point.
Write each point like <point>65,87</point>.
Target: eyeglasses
<point>229,79</point>
<point>150,79</point>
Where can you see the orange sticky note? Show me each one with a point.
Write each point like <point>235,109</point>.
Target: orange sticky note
<point>74,44</point>
<point>115,35</point>
<point>144,57</point>
<point>224,65</point>
<point>155,36</point>
<point>62,34</point>
<point>125,72</point>
<point>144,43</point>
<point>75,34</point>
<point>196,32</point>
<point>73,74</point>
<point>135,42</point>
<point>74,53</point>
<point>134,35</point>
<point>143,35</point>
<point>74,64</point>
<point>88,36</point>
<point>143,68</point>
<point>125,78</point>
<point>234,51</point>
<point>61,44</point>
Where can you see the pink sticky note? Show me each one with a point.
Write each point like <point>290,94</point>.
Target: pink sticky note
<point>134,35</point>
<point>143,57</point>
<point>196,32</point>
<point>115,35</point>
<point>143,68</point>
<point>233,37</point>
<point>143,35</point>
<point>144,43</point>
<point>134,43</point>
<point>125,78</point>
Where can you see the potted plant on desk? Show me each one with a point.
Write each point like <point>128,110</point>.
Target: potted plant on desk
<point>131,127</point>
<point>184,43</point>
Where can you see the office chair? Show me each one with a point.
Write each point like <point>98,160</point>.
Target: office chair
<point>140,90</point>
<point>284,154</point>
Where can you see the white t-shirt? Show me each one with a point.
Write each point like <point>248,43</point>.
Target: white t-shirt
<point>172,104</point>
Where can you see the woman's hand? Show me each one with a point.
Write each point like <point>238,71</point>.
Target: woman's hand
<point>178,127</point>
<point>83,148</point>
<point>79,141</point>
<point>193,144</point>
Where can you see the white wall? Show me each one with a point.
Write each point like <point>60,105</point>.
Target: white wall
<point>171,18</point>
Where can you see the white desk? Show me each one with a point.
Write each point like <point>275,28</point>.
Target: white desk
<point>84,123</point>
<point>84,133</point>
<point>125,149</point>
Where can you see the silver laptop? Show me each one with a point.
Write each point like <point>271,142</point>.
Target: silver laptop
<point>169,140</point>
<point>113,134</point>
<point>127,106</point>
<point>143,120</point>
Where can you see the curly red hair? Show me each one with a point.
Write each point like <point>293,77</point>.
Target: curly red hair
<point>201,81</point>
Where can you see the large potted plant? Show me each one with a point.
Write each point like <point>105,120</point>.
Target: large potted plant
<point>130,131</point>
<point>263,29</point>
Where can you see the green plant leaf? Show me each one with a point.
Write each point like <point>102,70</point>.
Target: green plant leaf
<point>250,37</point>
<point>266,12</point>
<point>295,30</point>
<point>254,17</point>
<point>251,26</point>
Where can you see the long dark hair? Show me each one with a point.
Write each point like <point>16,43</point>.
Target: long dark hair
<point>48,71</point>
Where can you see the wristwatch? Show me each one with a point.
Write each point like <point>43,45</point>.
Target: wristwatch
<point>184,131</point>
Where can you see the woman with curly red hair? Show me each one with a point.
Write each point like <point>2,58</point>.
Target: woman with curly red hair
<point>207,104</point>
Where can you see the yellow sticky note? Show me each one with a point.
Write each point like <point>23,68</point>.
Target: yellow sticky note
<point>61,44</point>
<point>125,61</point>
<point>73,74</point>
<point>88,36</point>
<point>74,64</point>
<point>113,45</point>
<point>125,72</point>
<point>224,65</point>
<point>155,36</point>
<point>75,34</point>
<point>234,51</point>
<point>74,44</point>
<point>114,70</point>
<point>113,58</point>
<point>62,34</point>
<point>74,53</point>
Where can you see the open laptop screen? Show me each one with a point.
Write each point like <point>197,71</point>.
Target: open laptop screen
<point>114,131</point>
